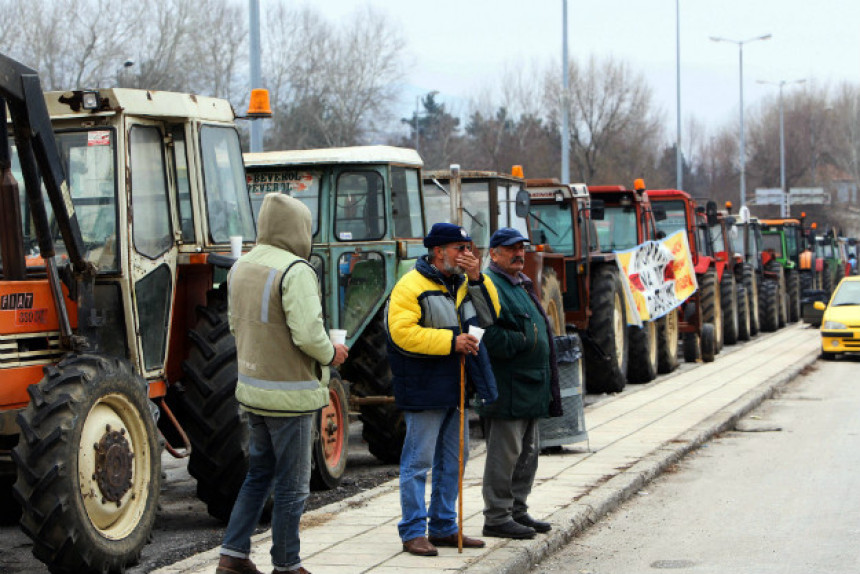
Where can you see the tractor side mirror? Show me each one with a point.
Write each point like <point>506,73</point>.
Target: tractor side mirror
<point>659,212</point>
<point>711,212</point>
<point>522,203</point>
<point>598,209</point>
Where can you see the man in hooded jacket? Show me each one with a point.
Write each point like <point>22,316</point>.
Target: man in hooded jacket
<point>283,355</point>
<point>427,317</point>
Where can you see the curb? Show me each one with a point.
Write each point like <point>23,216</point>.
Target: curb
<point>517,557</point>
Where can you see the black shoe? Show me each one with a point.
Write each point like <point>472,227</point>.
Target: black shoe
<point>509,529</point>
<point>538,525</point>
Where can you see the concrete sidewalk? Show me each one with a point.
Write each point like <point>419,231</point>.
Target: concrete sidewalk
<point>633,438</point>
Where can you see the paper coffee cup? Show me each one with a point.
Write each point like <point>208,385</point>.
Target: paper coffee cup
<point>477,332</point>
<point>236,246</point>
<point>337,336</point>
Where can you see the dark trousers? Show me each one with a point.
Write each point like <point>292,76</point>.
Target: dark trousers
<point>512,460</point>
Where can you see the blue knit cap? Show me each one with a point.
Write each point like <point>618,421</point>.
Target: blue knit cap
<point>445,233</point>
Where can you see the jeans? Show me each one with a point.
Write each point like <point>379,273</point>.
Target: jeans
<point>280,456</point>
<point>432,441</point>
<point>509,473</point>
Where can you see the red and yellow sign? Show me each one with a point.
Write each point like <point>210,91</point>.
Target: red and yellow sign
<point>660,276</point>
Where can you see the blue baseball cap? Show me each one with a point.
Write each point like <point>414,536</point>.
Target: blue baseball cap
<point>445,233</point>
<point>507,236</point>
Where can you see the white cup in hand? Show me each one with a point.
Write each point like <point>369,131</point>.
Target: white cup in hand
<point>476,332</point>
<point>337,336</point>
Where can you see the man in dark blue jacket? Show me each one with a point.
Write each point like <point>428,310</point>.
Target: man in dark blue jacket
<point>427,318</point>
<point>520,345</point>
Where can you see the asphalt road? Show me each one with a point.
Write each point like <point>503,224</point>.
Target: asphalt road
<point>779,494</point>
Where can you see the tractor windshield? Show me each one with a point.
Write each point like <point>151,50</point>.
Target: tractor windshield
<point>772,241</point>
<point>717,238</point>
<point>791,241</point>
<point>551,225</point>
<point>676,217</point>
<point>227,203</point>
<point>617,231</point>
<point>88,158</point>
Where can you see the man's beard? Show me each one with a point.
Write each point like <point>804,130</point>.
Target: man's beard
<point>450,267</point>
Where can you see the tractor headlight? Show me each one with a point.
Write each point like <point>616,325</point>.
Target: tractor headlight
<point>833,325</point>
<point>90,100</point>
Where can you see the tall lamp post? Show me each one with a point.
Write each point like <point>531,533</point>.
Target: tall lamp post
<point>565,117</point>
<point>786,197</point>
<point>740,45</point>
<point>679,162</point>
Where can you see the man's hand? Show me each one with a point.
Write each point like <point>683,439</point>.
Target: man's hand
<point>466,344</point>
<point>470,263</point>
<point>341,352</point>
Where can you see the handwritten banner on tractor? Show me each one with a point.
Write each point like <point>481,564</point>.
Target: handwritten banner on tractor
<point>660,276</point>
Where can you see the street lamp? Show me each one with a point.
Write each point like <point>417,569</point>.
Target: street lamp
<point>122,73</point>
<point>786,197</point>
<point>740,45</point>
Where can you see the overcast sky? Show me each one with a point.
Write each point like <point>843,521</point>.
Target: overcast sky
<point>460,46</point>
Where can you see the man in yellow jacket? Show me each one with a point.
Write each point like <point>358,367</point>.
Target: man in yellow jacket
<point>283,355</point>
<point>427,317</point>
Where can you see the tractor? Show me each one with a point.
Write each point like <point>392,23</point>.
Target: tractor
<point>630,220</point>
<point>368,225</point>
<point>782,243</point>
<point>118,208</point>
<point>701,321</point>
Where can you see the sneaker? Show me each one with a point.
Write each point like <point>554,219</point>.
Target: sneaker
<point>509,529</point>
<point>538,525</point>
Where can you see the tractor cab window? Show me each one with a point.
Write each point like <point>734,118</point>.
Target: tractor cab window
<point>617,231</point>
<point>476,196</point>
<point>791,242</point>
<point>183,188</point>
<point>676,217</point>
<point>716,232</point>
<point>361,285</point>
<point>150,208</point>
<point>360,211</point>
<point>302,184</point>
<point>507,194</point>
<point>772,241</point>
<point>89,161</point>
<point>551,225</point>
<point>227,204</point>
<point>406,199</point>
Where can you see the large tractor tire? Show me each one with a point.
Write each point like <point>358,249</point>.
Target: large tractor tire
<point>807,280</point>
<point>667,342</point>
<point>744,328</point>
<point>331,437</point>
<point>827,280</point>
<point>691,348</point>
<point>708,342</point>
<point>552,301</point>
<point>751,284</point>
<point>369,374</point>
<point>784,299</point>
<point>208,410</point>
<point>769,306</point>
<point>606,346</point>
<point>711,306</point>
<point>729,302</point>
<point>792,283</point>
<point>89,466</point>
<point>642,365</point>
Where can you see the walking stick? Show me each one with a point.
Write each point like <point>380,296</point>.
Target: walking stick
<point>460,476</point>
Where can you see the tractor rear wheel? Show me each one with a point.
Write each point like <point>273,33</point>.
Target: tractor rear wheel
<point>729,300</point>
<point>769,306</point>
<point>369,374</point>
<point>827,280</point>
<point>691,347</point>
<point>89,465</point>
<point>331,437</point>
<point>642,365</point>
<point>550,298</point>
<point>792,282</point>
<point>709,343</point>
<point>667,342</point>
<point>711,308</point>
<point>743,314</point>
<point>606,350</point>
<point>207,407</point>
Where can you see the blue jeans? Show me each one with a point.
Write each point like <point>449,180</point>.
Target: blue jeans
<point>432,441</point>
<point>280,453</point>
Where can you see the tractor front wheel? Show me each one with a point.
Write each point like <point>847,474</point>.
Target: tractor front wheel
<point>89,465</point>
<point>606,350</point>
<point>331,437</point>
<point>667,342</point>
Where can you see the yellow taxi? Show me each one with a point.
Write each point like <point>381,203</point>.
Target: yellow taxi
<point>840,325</point>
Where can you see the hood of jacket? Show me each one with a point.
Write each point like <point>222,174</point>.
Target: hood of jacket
<point>285,222</point>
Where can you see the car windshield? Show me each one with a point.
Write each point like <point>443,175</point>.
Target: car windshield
<point>88,158</point>
<point>848,293</point>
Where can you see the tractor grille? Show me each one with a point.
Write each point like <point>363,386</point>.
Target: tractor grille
<point>30,349</point>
